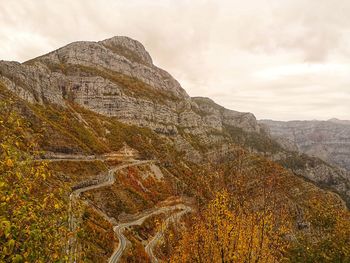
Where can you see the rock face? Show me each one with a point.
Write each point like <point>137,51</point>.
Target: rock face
<point>328,140</point>
<point>116,77</point>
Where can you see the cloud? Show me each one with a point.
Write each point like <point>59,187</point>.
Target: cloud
<point>278,59</point>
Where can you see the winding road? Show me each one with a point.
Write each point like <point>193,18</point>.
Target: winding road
<point>157,237</point>
<point>108,180</point>
<point>119,229</point>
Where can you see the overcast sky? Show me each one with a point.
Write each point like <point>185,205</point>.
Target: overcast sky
<point>280,59</point>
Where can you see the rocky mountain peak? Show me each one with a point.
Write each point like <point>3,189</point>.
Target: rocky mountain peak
<point>129,48</point>
<point>121,55</point>
<point>116,77</point>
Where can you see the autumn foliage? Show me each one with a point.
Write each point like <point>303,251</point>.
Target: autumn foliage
<point>224,234</point>
<point>258,217</point>
<point>327,237</point>
<point>32,214</point>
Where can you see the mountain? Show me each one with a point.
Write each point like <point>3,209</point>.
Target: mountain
<point>116,77</point>
<point>335,120</point>
<point>128,148</point>
<point>328,140</point>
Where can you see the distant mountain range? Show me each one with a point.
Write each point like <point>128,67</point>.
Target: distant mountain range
<point>328,140</point>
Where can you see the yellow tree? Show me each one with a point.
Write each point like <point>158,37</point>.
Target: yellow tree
<point>226,232</point>
<point>32,214</point>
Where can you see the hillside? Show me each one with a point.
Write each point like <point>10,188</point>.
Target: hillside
<point>129,151</point>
